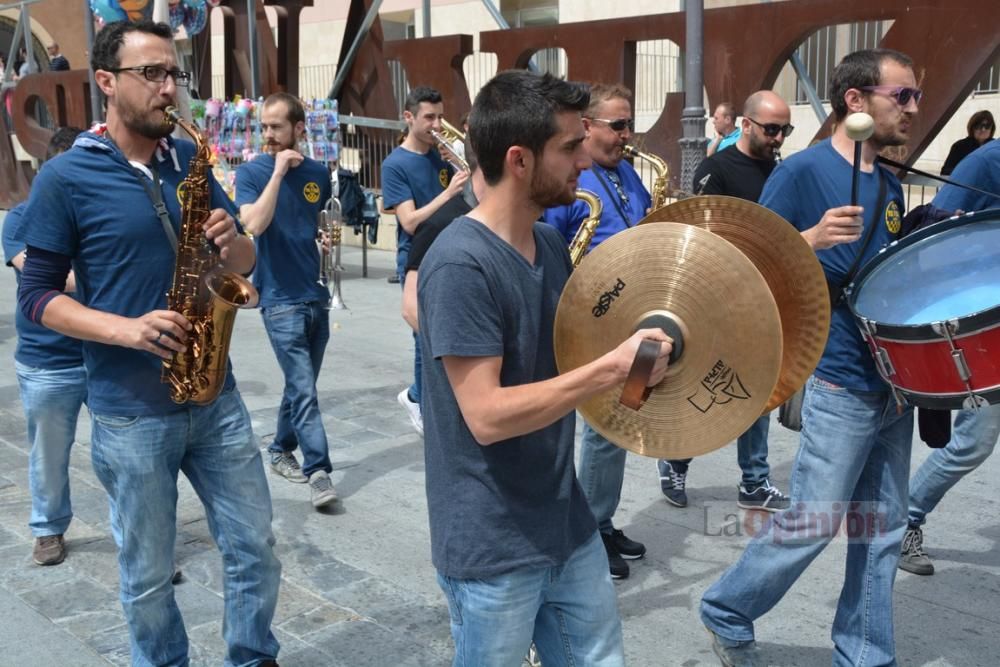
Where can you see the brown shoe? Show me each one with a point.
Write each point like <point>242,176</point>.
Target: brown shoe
<point>49,550</point>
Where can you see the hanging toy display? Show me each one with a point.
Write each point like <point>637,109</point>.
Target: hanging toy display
<point>192,15</point>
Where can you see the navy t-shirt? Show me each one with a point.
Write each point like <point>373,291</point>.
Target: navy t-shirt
<point>37,346</point>
<point>288,260</point>
<point>418,176</point>
<point>801,189</point>
<point>89,204</point>
<point>567,219</point>
<point>515,503</point>
<point>980,169</point>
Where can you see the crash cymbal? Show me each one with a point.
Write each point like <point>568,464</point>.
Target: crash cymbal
<point>788,265</point>
<point>730,327</point>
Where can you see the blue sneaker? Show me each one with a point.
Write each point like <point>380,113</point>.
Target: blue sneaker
<point>672,483</point>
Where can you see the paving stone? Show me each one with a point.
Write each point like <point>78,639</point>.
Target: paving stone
<point>74,597</point>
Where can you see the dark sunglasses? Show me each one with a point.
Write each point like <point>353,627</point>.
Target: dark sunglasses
<point>158,74</point>
<point>984,126</point>
<point>618,125</point>
<point>772,129</point>
<point>901,94</point>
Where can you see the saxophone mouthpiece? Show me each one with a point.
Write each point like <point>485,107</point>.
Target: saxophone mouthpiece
<point>170,116</point>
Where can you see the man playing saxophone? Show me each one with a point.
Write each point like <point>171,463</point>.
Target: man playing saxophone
<point>280,195</point>
<point>624,201</point>
<point>109,206</point>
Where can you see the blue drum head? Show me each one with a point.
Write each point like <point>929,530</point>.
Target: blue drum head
<point>947,271</point>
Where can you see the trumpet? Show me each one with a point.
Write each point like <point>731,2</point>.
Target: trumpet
<point>328,230</point>
<point>448,153</point>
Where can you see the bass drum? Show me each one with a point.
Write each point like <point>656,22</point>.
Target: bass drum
<point>929,308</point>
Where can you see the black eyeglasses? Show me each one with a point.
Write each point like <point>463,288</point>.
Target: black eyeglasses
<point>619,124</point>
<point>901,94</point>
<point>772,129</point>
<point>158,74</point>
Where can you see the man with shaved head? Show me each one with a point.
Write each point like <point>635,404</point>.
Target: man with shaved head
<point>741,172</point>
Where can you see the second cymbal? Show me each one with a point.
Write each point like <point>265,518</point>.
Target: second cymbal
<point>728,319</point>
<point>787,263</point>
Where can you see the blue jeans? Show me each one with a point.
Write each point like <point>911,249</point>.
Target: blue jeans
<point>973,438</point>
<point>751,454</point>
<point>417,387</point>
<point>569,611</point>
<point>299,333</point>
<point>602,471</point>
<point>853,462</point>
<point>137,460</point>
<point>51,400</point>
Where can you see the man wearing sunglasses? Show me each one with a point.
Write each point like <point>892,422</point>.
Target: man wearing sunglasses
<point>109,207</point>
<point>741,172</point>
<point>625,200</point>
<point>850,473</point>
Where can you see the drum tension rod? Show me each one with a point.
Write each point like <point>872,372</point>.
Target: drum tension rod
<point>881,355</point>
<point>948,329</point>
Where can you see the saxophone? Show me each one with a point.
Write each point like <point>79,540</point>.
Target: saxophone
<point>581,240</point>
<point>659,193</point>
<point>201,291</point>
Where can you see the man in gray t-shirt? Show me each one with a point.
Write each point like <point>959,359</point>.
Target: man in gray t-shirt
<point>515,545</point>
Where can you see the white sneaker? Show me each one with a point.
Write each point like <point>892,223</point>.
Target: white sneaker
<point>412,409</point>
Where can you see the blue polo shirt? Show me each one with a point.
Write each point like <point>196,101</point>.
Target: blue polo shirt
<point>730,139</point>
<point>89,204</point>
<point>417,176</point>
<point>616,213</point>
<point>37,346</point>
<point>288,260</point>
<point>980,169</point>
<point>801,189</point>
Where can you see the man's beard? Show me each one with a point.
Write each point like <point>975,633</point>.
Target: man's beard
<point>142,124</point>
<point>547,191</point>
<point>762,150</point>
<point>277,147</point>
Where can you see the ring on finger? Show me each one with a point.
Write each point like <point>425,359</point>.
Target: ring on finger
<point>158,338</point>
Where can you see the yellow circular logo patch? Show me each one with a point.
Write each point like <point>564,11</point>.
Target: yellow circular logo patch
<point>311,192</point>
<point>893,219</point>
<point>443,178</point>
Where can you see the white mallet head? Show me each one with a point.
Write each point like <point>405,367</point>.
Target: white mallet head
<point>859,126</point>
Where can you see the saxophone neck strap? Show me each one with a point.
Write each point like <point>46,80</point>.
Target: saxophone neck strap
<point>152,187</point>
<point>615,199</point>
<point>155,192</point>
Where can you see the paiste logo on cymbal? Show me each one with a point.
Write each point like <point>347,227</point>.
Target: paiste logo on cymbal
<point>720,385</point>
<point>604,302</point>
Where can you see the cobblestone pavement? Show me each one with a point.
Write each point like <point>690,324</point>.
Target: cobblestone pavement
<point>357,585</point>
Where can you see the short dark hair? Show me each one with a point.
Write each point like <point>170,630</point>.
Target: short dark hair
<point>421,94</point>
<point>61,141</point>
<point>859,69</point>
<point>979,118</point>
<point>518,108</point>
<point>104,54</point>
<point>296,111</point>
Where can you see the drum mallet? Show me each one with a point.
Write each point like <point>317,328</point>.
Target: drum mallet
<point>859,127</point>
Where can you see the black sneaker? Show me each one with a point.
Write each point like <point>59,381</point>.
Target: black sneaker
<point>628,549</point>
<point>672,483</point>
<point>617,564</point>
<point>913,559</point>
<point>763,497</point>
